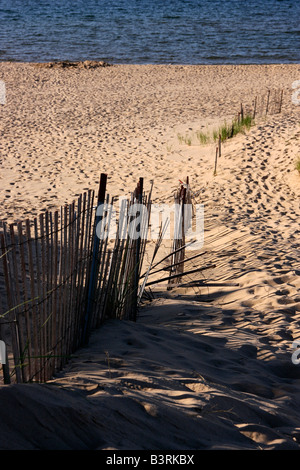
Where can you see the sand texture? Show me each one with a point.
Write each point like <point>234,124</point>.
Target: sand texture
<point>206,367</point>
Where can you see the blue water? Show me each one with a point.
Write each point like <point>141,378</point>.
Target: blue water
<point>151,31</point>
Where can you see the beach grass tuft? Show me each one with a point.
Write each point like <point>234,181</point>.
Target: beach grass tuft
<point>202,137</point>
<point>226,131</point>
<point>237,126</point>
<point>184,139</point>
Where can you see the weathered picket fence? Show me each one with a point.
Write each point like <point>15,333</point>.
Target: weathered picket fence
<point>264,104</point>
<point>60,277</point>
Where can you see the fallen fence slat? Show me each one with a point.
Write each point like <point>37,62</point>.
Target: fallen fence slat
<point>176,276</point>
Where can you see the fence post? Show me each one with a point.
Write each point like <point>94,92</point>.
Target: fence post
<point>178,248</point>
<point>254,108</point>
<point>5,369</point>
<point>139,196</point>
<point>4,356</point>
<point>14,324</point>
<point>280,104</point>
<point>93,273</point>
<point>268,101</point>
<point>216,161</point>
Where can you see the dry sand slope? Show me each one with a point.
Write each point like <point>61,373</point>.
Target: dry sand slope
<point>203,368</point>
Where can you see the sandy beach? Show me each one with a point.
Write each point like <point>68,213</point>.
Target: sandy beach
<point>203,367</point>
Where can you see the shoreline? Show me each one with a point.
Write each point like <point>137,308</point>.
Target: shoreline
<point>20,61</point>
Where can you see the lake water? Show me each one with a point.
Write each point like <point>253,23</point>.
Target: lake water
<point>151,31</point>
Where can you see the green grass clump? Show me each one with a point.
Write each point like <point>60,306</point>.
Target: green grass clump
<point>202,137</point>
<point>180,138</point>
<point>184,139</point>
<point>297,164</point>
<point>215,135</point>
<point>226,131</point>
<point>237,126</point>
<point>247,122</point>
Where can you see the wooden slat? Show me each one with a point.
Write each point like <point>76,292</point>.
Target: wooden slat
<point>59,347</point>
<point>39,289</point>
<point>14,263</point>
<point>48,297</point>
<point>55,292</point>
<point>33,320</point>
<point>10,316</point>
<point>27,352</point>
<point>5,365</point>
<point>94,265</point>
<point>65,282</point>
<point>43,307</point>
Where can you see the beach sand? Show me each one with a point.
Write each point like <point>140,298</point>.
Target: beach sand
<point>203,367</point>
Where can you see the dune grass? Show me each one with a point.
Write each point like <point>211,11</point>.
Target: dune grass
<point>297,164</point>
<point>184,139</point>
<point>237,126</point>
<point>226,131</point>
<point>202,137</point>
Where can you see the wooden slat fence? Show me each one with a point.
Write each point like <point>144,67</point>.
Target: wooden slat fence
<point>59,280</point>
<point>264,104</point>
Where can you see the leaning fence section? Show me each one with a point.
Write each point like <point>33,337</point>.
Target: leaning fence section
<point>182,200</point>
<point>60,278</point>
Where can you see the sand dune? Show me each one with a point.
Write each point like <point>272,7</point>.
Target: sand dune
<point>206,367</point>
